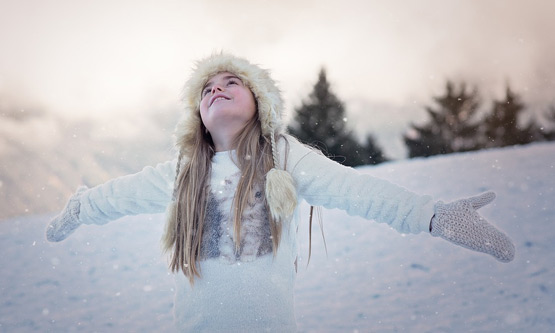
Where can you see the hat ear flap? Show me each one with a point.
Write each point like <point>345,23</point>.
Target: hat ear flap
<point>170,232</point>
<point>281,193</point>
<point>169,236</point>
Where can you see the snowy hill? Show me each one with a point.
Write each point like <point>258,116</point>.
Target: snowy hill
<point>114,278</point>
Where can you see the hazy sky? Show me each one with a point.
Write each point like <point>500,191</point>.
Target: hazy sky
<point>385,59</point>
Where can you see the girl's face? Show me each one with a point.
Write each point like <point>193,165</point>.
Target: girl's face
<point>226,105</point>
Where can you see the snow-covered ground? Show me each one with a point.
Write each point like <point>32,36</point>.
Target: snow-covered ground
<point>114,278</point>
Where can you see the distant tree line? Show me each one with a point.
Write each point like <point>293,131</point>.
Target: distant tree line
<point>455,125</point>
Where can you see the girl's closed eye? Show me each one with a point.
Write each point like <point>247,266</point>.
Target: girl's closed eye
<point>230,82</point>
<point>205,91</point>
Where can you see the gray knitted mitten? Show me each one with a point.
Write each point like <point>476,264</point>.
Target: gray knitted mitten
<point>459,223</point>
<point>67,221</point>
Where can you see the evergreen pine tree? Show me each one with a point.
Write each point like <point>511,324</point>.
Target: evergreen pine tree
<point>373,153</point>
<point>321,121</point>
<point>451,127</point>
<point>501,125</point>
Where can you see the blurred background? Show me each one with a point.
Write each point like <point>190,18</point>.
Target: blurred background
<point>90,90</point>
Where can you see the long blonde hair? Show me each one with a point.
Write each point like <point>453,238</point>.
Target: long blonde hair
<point>183,236</point>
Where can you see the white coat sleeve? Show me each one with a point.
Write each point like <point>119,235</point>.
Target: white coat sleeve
<point>146,192</point>
<point>323,182</point>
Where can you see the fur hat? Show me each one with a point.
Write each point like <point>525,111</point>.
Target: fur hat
<point>279,186</point>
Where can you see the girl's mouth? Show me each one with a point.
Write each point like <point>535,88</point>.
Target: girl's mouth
<point>217,98</point>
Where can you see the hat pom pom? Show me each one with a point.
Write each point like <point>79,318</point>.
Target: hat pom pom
<point>280,193</point>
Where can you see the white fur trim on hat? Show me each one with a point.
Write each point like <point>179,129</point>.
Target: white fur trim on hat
<point>258,80</point>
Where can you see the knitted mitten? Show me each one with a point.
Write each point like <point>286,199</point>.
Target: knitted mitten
<point>67,221</point>
<point>459,223</point>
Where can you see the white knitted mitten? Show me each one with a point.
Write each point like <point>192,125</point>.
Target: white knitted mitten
<point>459,223</point>
<point>67,221</point>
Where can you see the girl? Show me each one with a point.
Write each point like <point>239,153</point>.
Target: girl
<point>231,194</point>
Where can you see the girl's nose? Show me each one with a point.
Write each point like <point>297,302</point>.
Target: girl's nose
<point>216,88</point>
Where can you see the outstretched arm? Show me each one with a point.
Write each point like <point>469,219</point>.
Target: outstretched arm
<point>323,182</point>
<point>148,191</point>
